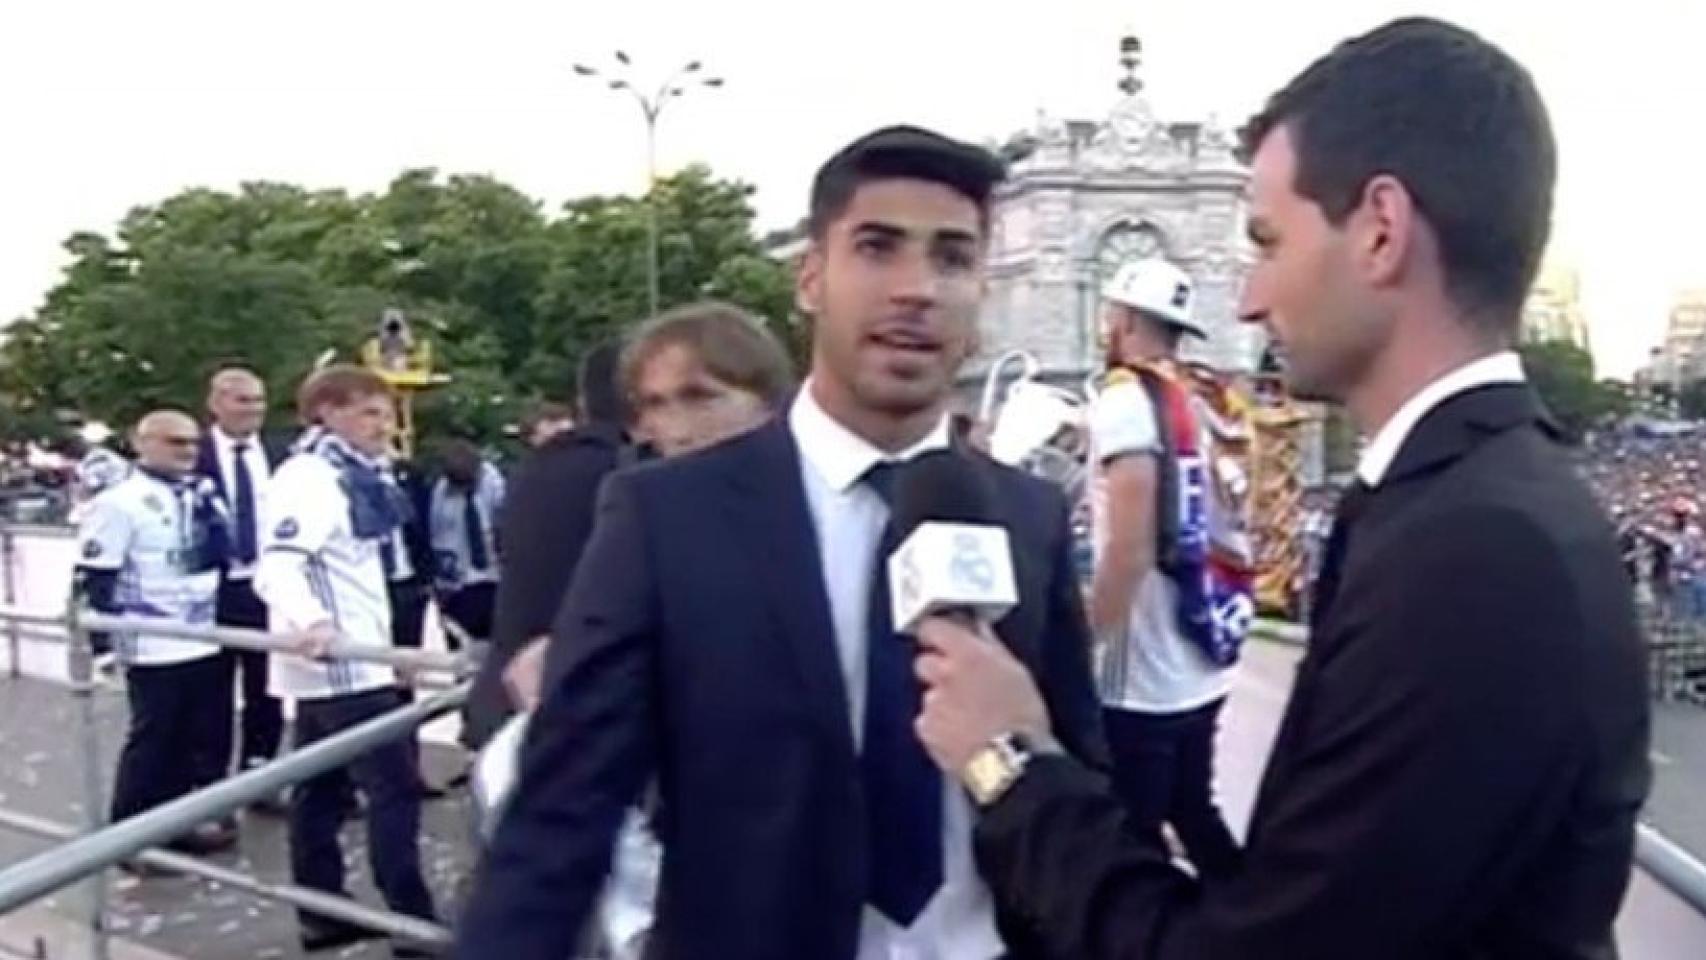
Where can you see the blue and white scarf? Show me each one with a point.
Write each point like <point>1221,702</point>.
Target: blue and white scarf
<point>375,503</point>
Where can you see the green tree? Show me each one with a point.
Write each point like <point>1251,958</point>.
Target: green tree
<point>1562,373</point>
<point>274,275</point>
<point>706,249</point>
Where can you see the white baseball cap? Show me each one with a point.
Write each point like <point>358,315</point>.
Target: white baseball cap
<point>1159,289</point>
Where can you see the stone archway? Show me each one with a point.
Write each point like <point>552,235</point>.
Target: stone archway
<point>1104,250</point>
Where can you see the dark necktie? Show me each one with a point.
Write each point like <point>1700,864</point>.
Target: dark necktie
<point>245,503</point>
<point>1351,506</point>
<point>903,790</point>
<point>475,528</point>
<point>388,557</point>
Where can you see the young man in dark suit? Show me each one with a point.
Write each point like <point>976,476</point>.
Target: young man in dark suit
<point>240,465</point>
<point>716,639</point>
<point>1460,766</point>
<point>544,526</point>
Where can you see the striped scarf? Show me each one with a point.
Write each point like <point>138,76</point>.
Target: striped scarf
<point>376,505</point>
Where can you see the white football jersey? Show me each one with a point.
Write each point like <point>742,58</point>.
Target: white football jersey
<point>144,529</point>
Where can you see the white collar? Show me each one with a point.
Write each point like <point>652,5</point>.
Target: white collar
<point>1377,457</point>
<point>225,441</point>
<point>838,454</point>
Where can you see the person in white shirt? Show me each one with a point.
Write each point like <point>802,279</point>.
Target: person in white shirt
<point>145,549</point>
<point>98,470</point>
<point>240,467</point>
<point>331,510</point>
<point>1161,694</point>
<point>463,525</point>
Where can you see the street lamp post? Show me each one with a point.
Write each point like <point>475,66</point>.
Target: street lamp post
<point>651,108</point>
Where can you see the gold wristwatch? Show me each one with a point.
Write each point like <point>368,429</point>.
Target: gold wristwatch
<point>992,771</point>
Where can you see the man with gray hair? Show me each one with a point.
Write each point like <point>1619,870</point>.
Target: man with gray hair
<point>239,466</point>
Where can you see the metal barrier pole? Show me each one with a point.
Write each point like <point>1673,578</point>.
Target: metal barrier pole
<point>1672,866</point>
<point>53,869</point>
<point>265,642</point>
<point>80,663</point>
<point>320,902</point>
<point>9,557</point>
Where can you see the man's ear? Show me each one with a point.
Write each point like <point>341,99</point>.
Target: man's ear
<point>1384,230</point>
<point>808,280</point>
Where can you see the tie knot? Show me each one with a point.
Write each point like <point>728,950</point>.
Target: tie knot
<point>240,447</point>
<point>880,478</point>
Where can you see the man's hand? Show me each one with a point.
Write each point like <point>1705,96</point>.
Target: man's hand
<point>408,675</point>
<point>525,673</point>
<point>975,692</point>
<point>314,642</point>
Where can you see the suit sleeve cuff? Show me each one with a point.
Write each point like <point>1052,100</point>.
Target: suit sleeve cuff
<point>1047,775</point>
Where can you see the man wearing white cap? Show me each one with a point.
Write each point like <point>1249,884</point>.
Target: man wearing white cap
<point>1162,688</point>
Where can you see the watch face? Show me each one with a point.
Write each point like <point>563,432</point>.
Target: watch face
<point>995,768</point>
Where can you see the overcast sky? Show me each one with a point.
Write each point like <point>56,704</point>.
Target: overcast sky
<point>104,105</point>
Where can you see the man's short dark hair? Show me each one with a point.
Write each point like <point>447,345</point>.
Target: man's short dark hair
<point>1459,123</point>
<point>545,411</point>
<point>902,153</point>
<point>598,385</point>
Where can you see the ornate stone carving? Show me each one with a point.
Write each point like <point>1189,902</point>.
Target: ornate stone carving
<point>1132,140</point>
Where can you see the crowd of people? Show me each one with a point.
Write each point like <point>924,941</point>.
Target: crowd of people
<point>1650,483</point>
<point>720,654</point>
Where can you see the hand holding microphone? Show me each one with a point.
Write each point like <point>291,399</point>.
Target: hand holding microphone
<point>950,579</point>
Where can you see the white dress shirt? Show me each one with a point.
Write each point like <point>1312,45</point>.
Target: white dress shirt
<point>1377,457</point>
<point>260,473</point>
<point>448,528</point>
<point>959,922</point>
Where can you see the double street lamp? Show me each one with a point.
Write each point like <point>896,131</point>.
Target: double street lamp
<point>620,78</point>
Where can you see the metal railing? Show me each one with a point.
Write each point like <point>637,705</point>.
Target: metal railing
<point>86,854</point>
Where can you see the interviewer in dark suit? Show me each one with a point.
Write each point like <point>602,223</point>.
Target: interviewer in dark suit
<point>1459,769</point>
<point>716,636</point>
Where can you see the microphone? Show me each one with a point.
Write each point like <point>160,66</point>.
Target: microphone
<point>954,556</point>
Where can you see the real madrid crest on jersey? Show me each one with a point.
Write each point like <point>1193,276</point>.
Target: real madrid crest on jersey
<point>91,549</point>
<point>287,529</point>
<point>154,503</point>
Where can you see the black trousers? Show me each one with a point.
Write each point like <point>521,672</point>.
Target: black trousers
<point>262,720</point>
<point>386,776</point>
<point>471,609</point>
<point>177,720</point>
<point>1164,773</point>
<point>408,612</point>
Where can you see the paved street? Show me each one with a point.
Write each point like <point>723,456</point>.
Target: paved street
<point>1678,804</point>
<point>182,916</point>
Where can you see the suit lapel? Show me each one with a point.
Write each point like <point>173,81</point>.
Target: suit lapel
<point>1462,422</point>
<point>774,521</point>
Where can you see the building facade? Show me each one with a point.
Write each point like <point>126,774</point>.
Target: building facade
<point>1681,357</point>
<point>1083,197</point>
<point>1553,310</point>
